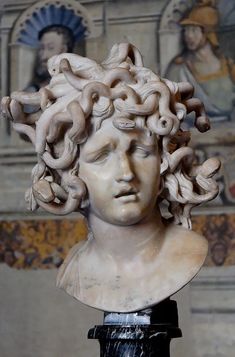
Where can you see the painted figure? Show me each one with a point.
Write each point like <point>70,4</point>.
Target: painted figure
<point>203,65</point>
<point>51,27</point>
<point>53,40</point>
<point>109,144</point>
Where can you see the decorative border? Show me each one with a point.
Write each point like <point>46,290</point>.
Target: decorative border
<point>220,233</point>
<point>44,243</point>
<point>39,244</point>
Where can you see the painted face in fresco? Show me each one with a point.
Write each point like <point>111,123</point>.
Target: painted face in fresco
<point>121,170</point>
<point>219,253</point>
<point>194,37</point>
<point>51,44</point>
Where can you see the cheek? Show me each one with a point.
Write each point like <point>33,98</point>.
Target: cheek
<point>149,176</point>
<point>97,181</point>
<point>96,177</point>
<point>54,52</point>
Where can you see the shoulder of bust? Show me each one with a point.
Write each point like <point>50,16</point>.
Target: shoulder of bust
<point>189,240</point>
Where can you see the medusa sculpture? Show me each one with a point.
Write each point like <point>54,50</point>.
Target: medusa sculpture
<point>82,94</point>
<point>110,143</point>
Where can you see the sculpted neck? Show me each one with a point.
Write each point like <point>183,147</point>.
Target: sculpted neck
<point>125,242</point>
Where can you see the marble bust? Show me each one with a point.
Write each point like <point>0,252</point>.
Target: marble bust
<point>110,144</point>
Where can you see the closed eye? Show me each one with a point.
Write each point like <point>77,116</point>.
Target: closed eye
<point>141,151</point>
<point>100,157</point>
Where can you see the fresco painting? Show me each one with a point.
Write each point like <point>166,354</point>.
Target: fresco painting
<point>205,31</point>
<point>41,244</point>
<point>203,62</point>
<point>206,59</point>
<point>51,27</point>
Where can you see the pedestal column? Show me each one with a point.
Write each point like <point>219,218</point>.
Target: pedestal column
<point>145,333</point>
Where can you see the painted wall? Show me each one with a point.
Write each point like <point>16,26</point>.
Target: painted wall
<point>36,319</point>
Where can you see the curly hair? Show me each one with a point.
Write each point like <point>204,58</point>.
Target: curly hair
<point>80,96</point>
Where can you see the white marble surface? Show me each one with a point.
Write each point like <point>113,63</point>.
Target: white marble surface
<point>23,327</point>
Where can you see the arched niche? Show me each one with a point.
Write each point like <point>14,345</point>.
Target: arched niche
<point>17,58</point>
<point>24,34</point>
<point>170,39</point>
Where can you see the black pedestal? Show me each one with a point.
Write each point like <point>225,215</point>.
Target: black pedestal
<point>145,333</point>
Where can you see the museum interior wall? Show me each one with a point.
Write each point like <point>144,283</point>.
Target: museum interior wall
<point>36,319</point>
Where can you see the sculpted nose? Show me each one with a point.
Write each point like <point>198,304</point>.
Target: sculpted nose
<point>124,169</point>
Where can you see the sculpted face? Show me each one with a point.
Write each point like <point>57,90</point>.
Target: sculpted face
<point>121,170</point>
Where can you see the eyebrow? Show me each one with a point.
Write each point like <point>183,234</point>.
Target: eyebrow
<point>144,144</point>
<point>89,155</point>
<point>110,143</point>
<point>148,147</point>
<point>145,140</point>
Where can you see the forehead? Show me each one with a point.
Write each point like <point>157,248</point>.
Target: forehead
<point>108,134</point>
<point>193,28</point>
<point>51,36</point>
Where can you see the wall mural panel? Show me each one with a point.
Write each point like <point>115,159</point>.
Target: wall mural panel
<point>33,244</point>
<point>43,244</point>
<point>51,27</point>
<point>201,49</point>
<point>184,28</point>
<point>220,232</point>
